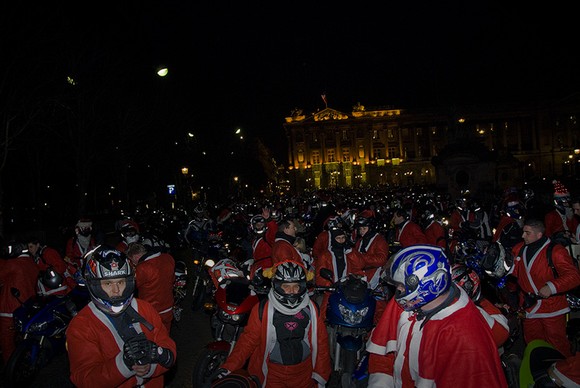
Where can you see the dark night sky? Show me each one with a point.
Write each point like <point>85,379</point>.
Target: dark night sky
<point>248,64</point>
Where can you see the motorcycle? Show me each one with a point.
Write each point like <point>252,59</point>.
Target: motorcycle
<point>205,257</point>
<point>229,312</point>
<point>179,289</point>
<point>41,323</point>
<point>349,318</point>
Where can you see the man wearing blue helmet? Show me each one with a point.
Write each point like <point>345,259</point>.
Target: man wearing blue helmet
<point>431,333</point>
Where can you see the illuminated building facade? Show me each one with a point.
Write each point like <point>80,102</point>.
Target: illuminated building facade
<point>478,146</point>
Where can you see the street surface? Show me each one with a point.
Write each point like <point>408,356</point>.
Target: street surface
<point>191,333</point>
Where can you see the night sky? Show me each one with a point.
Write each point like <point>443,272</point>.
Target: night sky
<point>247,64</point>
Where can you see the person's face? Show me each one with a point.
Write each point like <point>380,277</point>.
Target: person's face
<point>259,226</point>
<point>33,248</point>
<point>576,208</point>
<point>291,229</point>
<point>290,288</point>
<point>340,239</point>
<point>114,287</point>
<point>397,219</point>
<point>362,230</point>
<point>531,235</point>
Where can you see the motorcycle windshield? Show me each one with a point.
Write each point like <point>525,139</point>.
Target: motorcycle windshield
<point>237,291</point>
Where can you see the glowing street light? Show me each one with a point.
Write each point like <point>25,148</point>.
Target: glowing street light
<point>162,71</point>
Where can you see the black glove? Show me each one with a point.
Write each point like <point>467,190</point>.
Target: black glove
<point>162,356</point>
<point>139,350</point>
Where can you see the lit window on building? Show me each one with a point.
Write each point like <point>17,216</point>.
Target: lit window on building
<point>330,156</point>
<point>315,157</point>
<point>346,155</point>
<point>361,151</point>
<point>300,155</point>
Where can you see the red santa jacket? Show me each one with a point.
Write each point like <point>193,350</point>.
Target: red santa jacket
<point>75,252</point>
<point>282,250</point>
<point>49,257</point>
<point>405,353</point>
<point>321,244</point>
<point>497,322</point>
<point>328,260</point>
<point>568,370</point>
<point>372,261</point>
<point>535,273</point>
<point>257,337</point>
<point>20,272</point>
<point>556,222</point>
<point>436,234</point>
<point>95,349</point>
<point>504,221</point>
<point>154,278</point>
<point>410,234</point>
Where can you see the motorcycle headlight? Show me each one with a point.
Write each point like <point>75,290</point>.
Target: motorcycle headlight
<point>209,263</point>
<point>38,326</point>
<point>352,317</point>
<point>229,317</point>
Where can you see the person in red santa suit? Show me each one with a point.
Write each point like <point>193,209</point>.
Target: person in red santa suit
<point>154,278</point>
<point>264,230</point>
<point>561,219</point>
<point>435,232</point>
<point>338,259</point>
<point>408,232</point>
<point>370,253</point>
<point>129,230</point>
<point>466,278</point>
<point>117,340</point>
<point>546,314</point>
<point>509,229</point>
<point>17,270</point>
<point>287,344</point>
<point>49,260</point>
<point>79,244</point>
<point>323,239</point>
<point>283,248</point>
<point>431,329</point>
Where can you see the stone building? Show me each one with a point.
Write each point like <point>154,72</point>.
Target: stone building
<point>479,148</point>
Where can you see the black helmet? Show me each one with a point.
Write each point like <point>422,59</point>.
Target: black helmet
<point>289,272</point>
<point>496,261</point>
<point>14,249</point>
<point>50,278</point>
<point>103,263</point>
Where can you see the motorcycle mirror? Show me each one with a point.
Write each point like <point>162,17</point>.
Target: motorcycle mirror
<point>326,274</point>
<point>15,292</point>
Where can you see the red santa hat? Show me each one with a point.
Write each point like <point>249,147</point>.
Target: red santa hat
<point>560,190</point>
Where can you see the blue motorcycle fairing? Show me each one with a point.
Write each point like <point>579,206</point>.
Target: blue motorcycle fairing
<point>335,317</point>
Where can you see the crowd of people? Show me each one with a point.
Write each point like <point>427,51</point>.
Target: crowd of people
<point>433,320</point>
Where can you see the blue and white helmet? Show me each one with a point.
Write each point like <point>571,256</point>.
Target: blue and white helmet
<point>105,263</point>
<point>423,271</point>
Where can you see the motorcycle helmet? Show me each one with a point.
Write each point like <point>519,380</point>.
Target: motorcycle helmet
<point>104,263</point>
<point>289,272</point>
<point>514,209</point>
<point>258,224</point>
<point>84,227</point>
<point>561,195</point>
<point>496,261</point>
<point>365,218</point>
<point>14,249</point>
<point>422,271</point>
<point>130,231</point>
<point>467,279</point>
<point>50,278</point>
